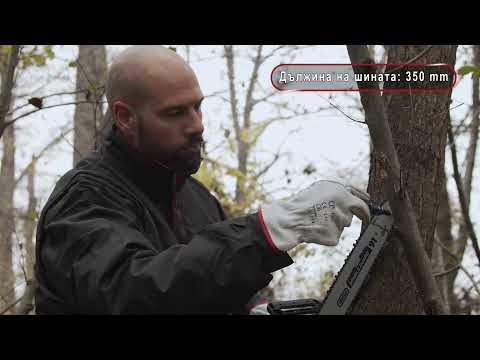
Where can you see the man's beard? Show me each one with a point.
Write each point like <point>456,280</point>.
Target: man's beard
<point>180,161</point>
<point>186,165</point>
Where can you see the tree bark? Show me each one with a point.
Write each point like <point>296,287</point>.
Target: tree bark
<point>8,64</point>
<point>7,181</point>
<point>461,196</point>
<point>26,305</point>
<point>444,235</point>
<point>444,227</point>
<point>242,146</point>
<point>401,281</point>
<point>30,222</point>
<point>88,117</point>
<point>461,242</point>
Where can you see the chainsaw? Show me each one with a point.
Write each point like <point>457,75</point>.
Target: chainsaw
<point>351,276</point>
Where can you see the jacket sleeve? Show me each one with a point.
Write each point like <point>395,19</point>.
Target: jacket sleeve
<point>99,261</point>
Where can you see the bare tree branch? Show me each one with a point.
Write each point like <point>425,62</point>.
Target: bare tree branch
<point>461,195</point>
<point>26,304</point>
<point>339,109</point>
<point>264,98</point>
<point>253,79</point>
<point>11,112</point>
<point>233,95</point>
<point>268,166</point>
<point>10,306</point>
<point>20,249</point>
<point>276,157</point>
<point>470,276</point>
<point>7,86</point>
<point>461,127</point>
<point>469,161</point>
<point>215,94</point>
<point>8,123</point>
<point>42,152</point>
<point>274,51</point>
<point>422,53</point>
<point>446,272</point>
<point>269,122</point>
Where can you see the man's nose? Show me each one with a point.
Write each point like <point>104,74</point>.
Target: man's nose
<point>195,124</point>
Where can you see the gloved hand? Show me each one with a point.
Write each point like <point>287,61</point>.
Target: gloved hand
<point>317,214</point>
<point>260,309</point>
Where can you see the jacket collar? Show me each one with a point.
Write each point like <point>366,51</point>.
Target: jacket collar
<point>153,178</point>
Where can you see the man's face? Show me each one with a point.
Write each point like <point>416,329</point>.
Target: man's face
<point>169,120</point>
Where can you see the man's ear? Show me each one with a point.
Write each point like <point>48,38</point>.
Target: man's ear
<point>125,120</point>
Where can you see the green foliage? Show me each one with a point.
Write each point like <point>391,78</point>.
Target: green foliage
<point>467,69</point>
<point>213,174</point>
<point>5,49</point>
<point>36,55</point>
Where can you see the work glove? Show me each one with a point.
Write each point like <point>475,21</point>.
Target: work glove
<point>260,309</point>
<point>317,214</point>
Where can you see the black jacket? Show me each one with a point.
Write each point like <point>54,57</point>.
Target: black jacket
<point>118,236</point>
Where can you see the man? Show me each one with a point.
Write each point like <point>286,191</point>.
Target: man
<point>128,230</point>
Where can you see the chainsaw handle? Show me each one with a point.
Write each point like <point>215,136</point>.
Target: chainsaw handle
<point>295,307</point>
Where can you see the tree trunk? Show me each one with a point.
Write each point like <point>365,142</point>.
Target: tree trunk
<point>418,123</point>
<point>444,235</point>
<point>30,222</point>
<point>438,262</point>
<point>8,65</point>
<point>7,181</point>
<point>461,242</point>
<point>91,75</point>
<point>242,156</point>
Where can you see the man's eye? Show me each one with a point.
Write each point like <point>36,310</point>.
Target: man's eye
<point>175,112</point>
<point>198,106</point>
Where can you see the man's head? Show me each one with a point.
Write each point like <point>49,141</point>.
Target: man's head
<point>155,100</point>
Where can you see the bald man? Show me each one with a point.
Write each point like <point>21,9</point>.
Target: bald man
<point>129,231</point>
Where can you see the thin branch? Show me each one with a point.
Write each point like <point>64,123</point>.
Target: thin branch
<point>215,94</point>
<point>264,98</point>
<point>339,109</point>
<point>233,96</point>
<point>268,166</point>
<point>12,290</point>
<point>8,123</point>
<point>26,304</point>
<point>443,112</point>
<point>446,272</point>
<point>276,156</point>
<point>49,96</point>
<point>271,53</point>
<point>470,277</point>
<point>80,66</point>
<point>422,53</point>
<point>461,195</point>
<point>20,249</point>
<point>251,86</point>
<point>283,118</point>
<point>12,304</point>
<point>35,158</point>
<point>474,128</point>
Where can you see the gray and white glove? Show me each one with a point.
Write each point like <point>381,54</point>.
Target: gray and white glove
<point>317,214</point>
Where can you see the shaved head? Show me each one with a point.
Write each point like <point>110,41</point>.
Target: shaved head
<point>155,100</point>
<point>129,73</point>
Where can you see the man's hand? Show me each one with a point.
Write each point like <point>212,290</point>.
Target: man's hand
<point>317,214</point>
